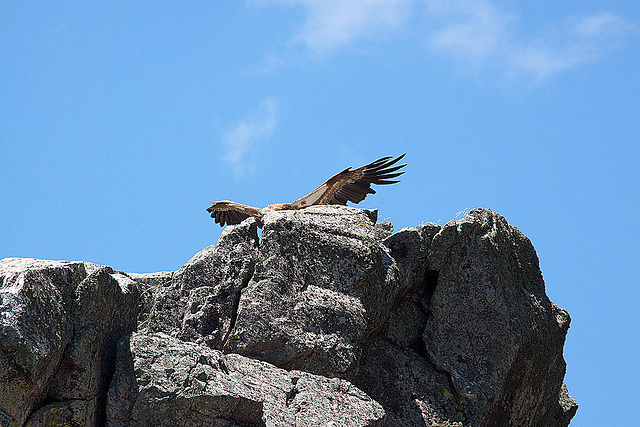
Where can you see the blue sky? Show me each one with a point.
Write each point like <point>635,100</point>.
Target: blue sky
<point>119,124</point>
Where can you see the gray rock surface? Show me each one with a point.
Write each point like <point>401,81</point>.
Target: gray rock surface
<point>35,328</point>
<point>199,302</point>
<point>162,379</point>
<point>149,283</point>
<point>60,324</point>
<point>406,384</point>
<point>323,282</point>
<point>328,319</point>
<point>492,328</point>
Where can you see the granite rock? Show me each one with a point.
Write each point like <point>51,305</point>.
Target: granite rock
<point>327,318</point>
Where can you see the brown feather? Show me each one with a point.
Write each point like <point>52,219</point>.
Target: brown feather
<point>354,185</point>
<point>227,212</point>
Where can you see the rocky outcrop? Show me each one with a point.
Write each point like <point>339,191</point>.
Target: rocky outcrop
<point>328,319</point>
<point>490,315</point>
<point>59,329</point>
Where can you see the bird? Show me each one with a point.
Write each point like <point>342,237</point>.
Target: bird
<point>350,185</point>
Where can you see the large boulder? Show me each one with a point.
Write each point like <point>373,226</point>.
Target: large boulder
<point>35,329</point>
<point>61,322</point>
<point>322,284</point>
<point>318,283</point>
<point>492,327</point>
<point>161,379</point>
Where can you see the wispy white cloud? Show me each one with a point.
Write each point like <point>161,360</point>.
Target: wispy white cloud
<point>541,61</point>
<point>268,64</point>
<point>577,42</point>
<point>243,138</point>
<point>602,25</point>
<point>331,24</point>
<point>472,29</point>
<point>480,34</point>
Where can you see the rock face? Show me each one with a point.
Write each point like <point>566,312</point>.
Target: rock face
<point>328,319</point>
<point>161,380</point>
<point>59,329</point>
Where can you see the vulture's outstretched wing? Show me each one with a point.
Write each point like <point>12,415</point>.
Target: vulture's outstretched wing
<point>353,185</point>
<point>350,185</point>
<point>232,213</point>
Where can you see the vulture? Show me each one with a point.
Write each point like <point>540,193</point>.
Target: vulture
<point>350,185</point>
